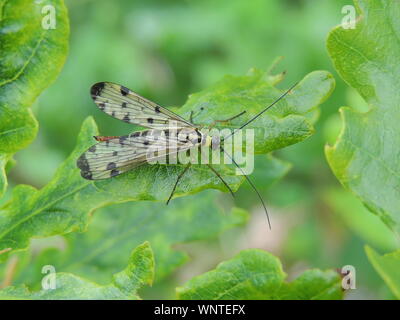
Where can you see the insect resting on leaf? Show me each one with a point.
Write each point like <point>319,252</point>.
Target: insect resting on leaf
<point>113,155</point>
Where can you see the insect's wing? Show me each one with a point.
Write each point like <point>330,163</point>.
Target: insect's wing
<point>123,104</point>
<point>112,157</point>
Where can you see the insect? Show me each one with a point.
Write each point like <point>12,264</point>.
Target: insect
<point>114,155</point>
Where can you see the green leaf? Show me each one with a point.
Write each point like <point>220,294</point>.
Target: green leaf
<point>3,177</point>
<point>256,274</point>
<point>124,285</point>
<point>64,204</point>
<point>103,249</point>
<point>313,284</point>
<point>360,221</point>
<point>252,274</point>
<point>388,267</point>
<point>365,156</point>
<point>30,59</point>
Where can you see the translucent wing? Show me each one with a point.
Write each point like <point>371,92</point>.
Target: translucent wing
<point>123,104</point>
<point>114,156</point>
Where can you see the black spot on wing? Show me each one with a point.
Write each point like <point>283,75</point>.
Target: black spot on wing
<point>124,105</point>
<point>150,120</point>
<point>111,165</point>
<point>96,89</point>
<point>157,109</point>
<point>115,153</point>
<point>136,134</point>
<point>87,175</point>
<point>114,173</point>
<point>126,118</point>
<point>122,139</point>
<point>124,90</point>
<point>82,163</point>
<point>102,106</point>
<point>92,148</point>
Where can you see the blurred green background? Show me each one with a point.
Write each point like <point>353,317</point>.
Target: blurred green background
<point>167,49</point>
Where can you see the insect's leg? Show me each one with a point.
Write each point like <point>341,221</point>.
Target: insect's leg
<point>219,176</point>
<point>227,120</point>
<point>231,118</point>
<point>177,180</point>
<point>212,125</point>
<point>192,113</point>
<point>251,184</point>
<point>191,116</point>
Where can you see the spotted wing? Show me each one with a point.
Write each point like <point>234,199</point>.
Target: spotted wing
<point>112,157</point>
<point>123,104</point>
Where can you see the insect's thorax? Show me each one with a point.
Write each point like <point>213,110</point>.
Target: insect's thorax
<point>212,142</point>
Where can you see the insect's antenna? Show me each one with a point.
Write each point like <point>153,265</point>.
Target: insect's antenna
<point>261,112</point>
<point>233,160</point>
<point>252,185</point>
